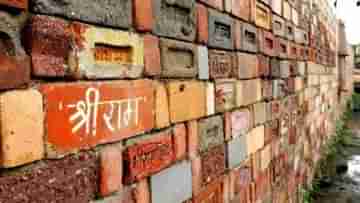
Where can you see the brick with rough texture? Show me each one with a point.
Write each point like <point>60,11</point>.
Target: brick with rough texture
<point>212,164</point>
<point>142,155</point>
<point>219,21</point>
<point>248,92</point>
<point>105,53</point>
<point>249,38</point>
<point>178,59</point>
<point>246,66</point>
<point>21,135</point>
<point>152,60</point>
<point>110,170</point>
<point>123,109</point>
<point>96,11</point>
<point>220,64</point>
<point>179,93</point>
<point>210,132</point>
<point>224,95</point>
<point>175,19</point>
<point>172,184</point>
<point>213,192</point>
<point>54,181</point>
<point>14,62</point>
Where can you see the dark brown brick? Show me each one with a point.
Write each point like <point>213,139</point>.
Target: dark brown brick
<point>73,179</point>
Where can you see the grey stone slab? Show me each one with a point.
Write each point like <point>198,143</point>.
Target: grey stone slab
<point>236,151</point>
<point>203,55</point>
<point>175,19</point>
<point>172,185</point>
<point>211,132</point>
<point>112,13</point>
<point>220,30</point>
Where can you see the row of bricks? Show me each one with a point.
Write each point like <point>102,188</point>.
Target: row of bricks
<point>148,16</point>
<point>179,130</point>
<point>50,58</point>
<point>140,111</point>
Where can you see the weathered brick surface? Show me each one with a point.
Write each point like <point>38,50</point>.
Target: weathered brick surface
<point>179,59</point>
<point>97,12</point>
<point>175,19</point>
<point>220,30</point>
<point>142,155</point>
<point>211,133</point>
<point>54,181</point>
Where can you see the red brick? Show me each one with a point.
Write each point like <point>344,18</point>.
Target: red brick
<point>68,104</point>
<point>214,192</point>
<point>162,117</point>
<point>14,71</point>
<point>152,55</point>
<point>21,4</point>
<point>147,155</point>
<point>49,41</point>
<point>238,34</point>
<point>143,15</point>
<point>193,138</point>
<point>212,164</point>
<point>202,24</point>
<point>218,4</point>
<point>180,141</point>
<point>110,170</point>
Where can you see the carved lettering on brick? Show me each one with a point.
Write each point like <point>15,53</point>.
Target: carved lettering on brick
<point>94,113</point>
<point>148,156</point>
<point>220,64</point>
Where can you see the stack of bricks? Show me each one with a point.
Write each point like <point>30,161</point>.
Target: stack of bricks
<point>163,101</point>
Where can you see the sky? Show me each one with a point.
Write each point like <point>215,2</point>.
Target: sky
<point>347,10</point>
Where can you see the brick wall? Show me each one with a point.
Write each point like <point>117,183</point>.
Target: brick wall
<point>163,101</point>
